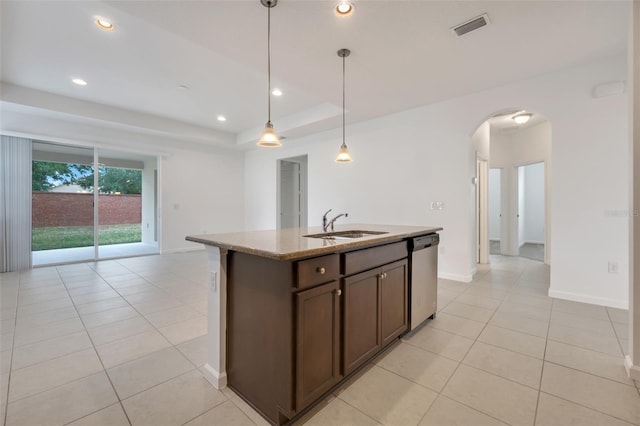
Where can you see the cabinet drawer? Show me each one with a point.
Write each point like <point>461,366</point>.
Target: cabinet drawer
<point>317,270</point>
<point>361,260</point>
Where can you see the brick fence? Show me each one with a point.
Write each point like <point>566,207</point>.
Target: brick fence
<point>70,209</point>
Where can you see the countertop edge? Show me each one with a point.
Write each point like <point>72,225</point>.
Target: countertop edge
<point>338,246</point>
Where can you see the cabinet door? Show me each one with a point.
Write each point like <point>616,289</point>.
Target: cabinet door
<point>393,291</point>
<point>361,313</point>
<point>317,342</point>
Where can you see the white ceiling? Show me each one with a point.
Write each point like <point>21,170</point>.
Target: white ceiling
<point>403,55</point>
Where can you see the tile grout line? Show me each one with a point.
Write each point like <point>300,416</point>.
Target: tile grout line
<point>74,306</point>
<point>544,356</point>
<point>615,333</point>
<point>587,407</point>
<point>195,367</point>
<point>462,360</point>
<point>99,359</point>
<point>13,346</point>
<point>580,371</point>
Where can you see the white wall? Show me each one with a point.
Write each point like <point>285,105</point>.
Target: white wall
<point>405,160</point>
<point>534,203</point>
<point>495,201</point>
<point>201,193</point>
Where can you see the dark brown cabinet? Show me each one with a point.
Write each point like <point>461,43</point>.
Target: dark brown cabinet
<point>297,327</point>
<point>393,296</point>
<point>375,311</point>
<point>361,323</point>
<point>317,342</point>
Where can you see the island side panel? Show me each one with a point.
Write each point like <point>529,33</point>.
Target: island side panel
<point>215,369</point>
<point>260,333</point>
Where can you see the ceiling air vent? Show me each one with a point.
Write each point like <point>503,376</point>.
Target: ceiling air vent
<point>473,24</point>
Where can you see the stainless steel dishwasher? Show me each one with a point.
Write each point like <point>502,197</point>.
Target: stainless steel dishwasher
<point>423,290</point>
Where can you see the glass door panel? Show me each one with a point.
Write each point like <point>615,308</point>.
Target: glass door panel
<point>62,204</point>
<point>123,204</point>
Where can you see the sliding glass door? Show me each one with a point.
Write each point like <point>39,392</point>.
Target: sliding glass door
<point>90,204</point>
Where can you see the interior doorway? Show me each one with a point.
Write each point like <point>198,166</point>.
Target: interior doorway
<point>516,185</point>
<point>495,211</point>
<point>292,192</point>
<point>531,211</point>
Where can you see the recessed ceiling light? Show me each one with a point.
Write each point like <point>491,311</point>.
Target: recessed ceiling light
<point>522,117</point>
<point>79,82</point>
<point>103,24</point>
<point>222,118</point>
<point>344,8</point>
<point>276,92</point>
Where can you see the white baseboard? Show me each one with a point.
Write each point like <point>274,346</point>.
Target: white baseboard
<point>633,371</point>
<point>455,277</point>
<point>584,298</point>
<point>494,239</point>
<point>182,250</point>
<point>532,242</point>
<point>218,380</point>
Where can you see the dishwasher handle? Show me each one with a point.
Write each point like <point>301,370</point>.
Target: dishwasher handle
<point>425,241</point>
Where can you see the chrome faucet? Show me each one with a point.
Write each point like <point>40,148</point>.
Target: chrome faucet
<point>329,223</point>
<point>324,220</point>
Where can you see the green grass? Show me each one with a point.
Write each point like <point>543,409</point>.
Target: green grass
<point>59,237</point>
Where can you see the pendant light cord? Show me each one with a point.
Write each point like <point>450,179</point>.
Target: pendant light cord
<point>343,102</point>
<point>269,60</point>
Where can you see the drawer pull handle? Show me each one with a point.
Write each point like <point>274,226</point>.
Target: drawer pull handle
<point>338,292</point>
<point>321,270</point>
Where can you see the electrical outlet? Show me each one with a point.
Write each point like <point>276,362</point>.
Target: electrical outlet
<point>437,205</point>
<point>613,267</point>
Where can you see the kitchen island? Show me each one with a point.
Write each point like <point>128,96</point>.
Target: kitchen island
<point>294,312</point>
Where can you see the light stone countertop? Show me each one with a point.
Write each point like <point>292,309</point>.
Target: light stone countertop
<point>289,244</point>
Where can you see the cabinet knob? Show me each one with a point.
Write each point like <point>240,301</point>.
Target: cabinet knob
<point>321,270</point>
<point>338,292</point>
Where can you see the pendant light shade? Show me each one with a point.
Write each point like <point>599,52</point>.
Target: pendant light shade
<point>343,154</point>
<point>269,137</point>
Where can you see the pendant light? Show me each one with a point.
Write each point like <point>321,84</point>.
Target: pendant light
<point>343,154</point>
<point>269,137</point>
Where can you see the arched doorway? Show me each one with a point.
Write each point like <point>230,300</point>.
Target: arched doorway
<point>512,186</point>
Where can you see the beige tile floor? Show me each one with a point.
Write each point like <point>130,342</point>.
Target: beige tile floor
<point>122,342</point>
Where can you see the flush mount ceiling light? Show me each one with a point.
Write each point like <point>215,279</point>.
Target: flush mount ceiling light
<point>269,137</point>
<point>522,117</point>
<point>343,154</point>
<point>344,8</point>
<point>103,24</point>
<point>222,118</point>
<point>79,81</point>
<point>276,92</point>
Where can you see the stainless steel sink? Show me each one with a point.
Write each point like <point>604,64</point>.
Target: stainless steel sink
<point>345,235</point>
